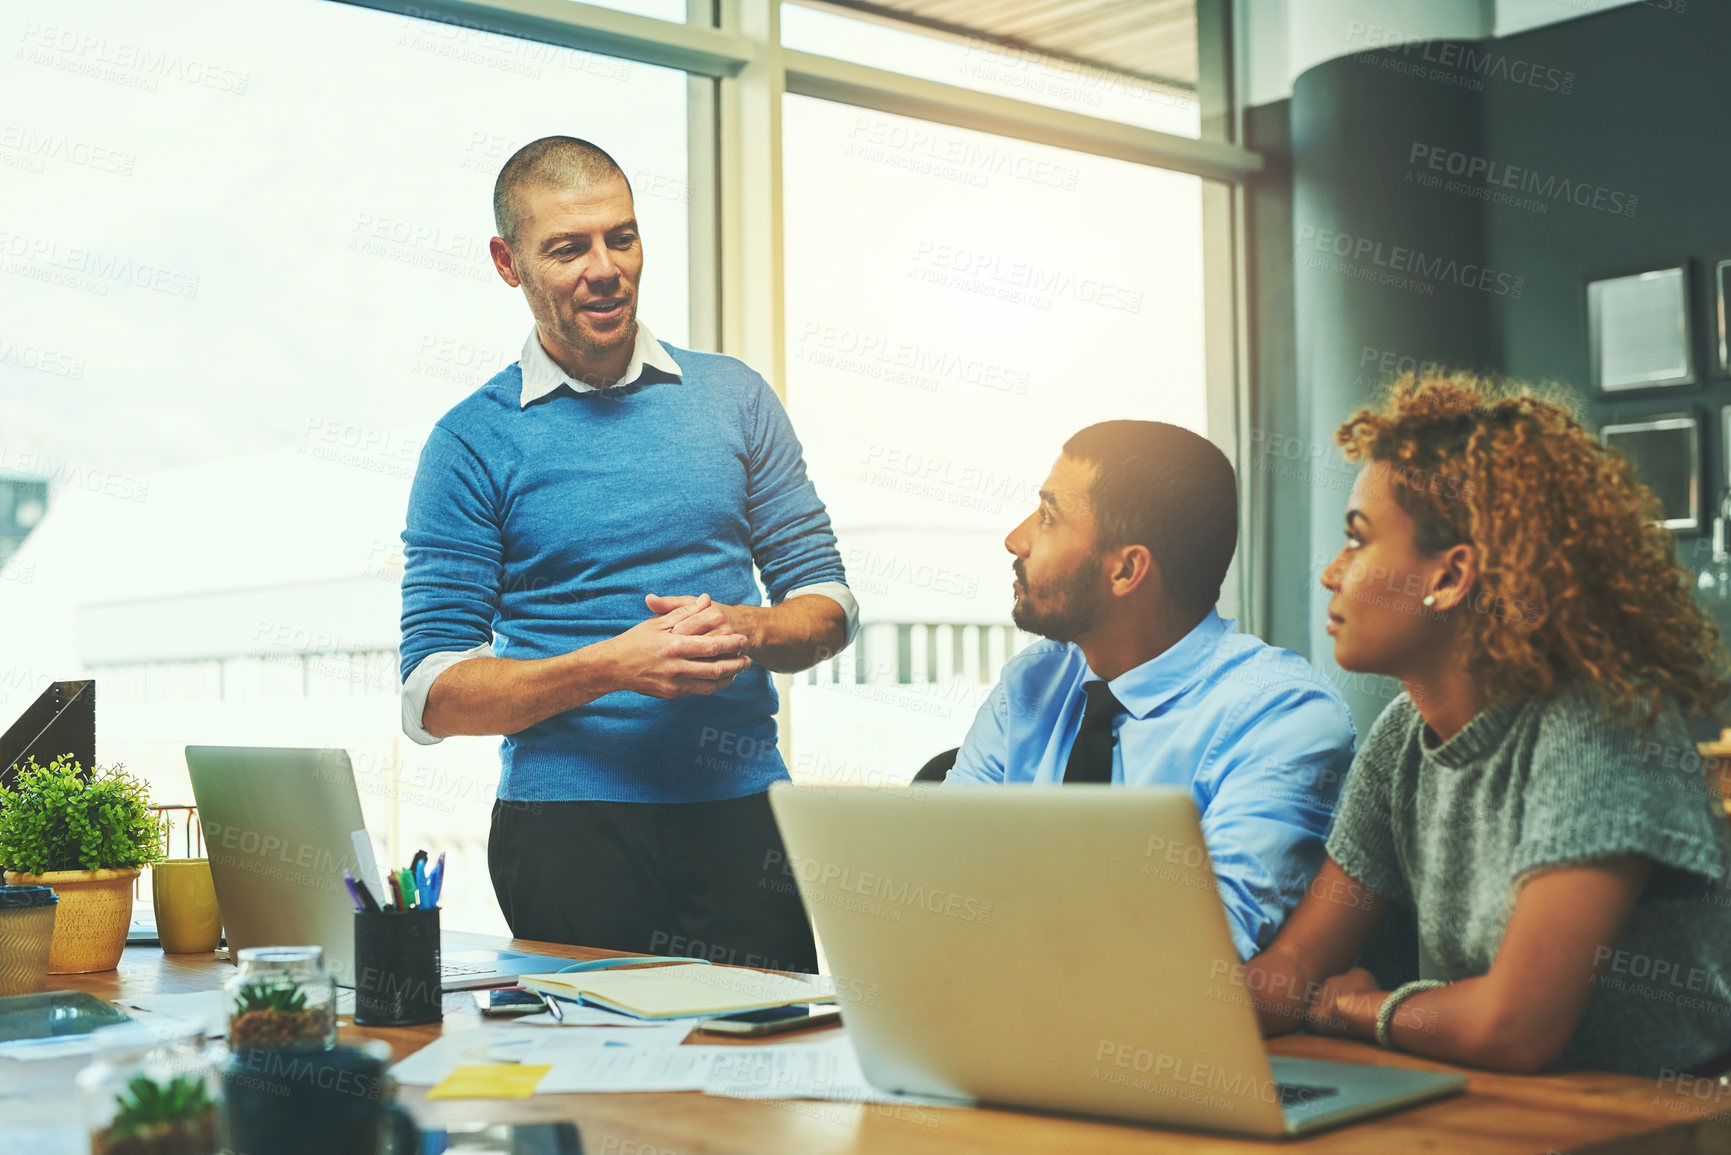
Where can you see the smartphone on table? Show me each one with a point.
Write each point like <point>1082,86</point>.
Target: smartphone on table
<point>773,1021</point>
<point>507,1002</point>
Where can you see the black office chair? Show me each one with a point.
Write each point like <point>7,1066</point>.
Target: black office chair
<point>938,768</point>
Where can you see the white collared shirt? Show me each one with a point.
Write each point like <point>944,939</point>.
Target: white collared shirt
<point>542,375</point>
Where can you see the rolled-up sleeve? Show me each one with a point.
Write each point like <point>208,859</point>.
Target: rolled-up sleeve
<point>452,567</point>
<point>792,542</point>
<point>1269,799</point>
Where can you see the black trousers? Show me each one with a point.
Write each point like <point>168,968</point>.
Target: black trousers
<point>696,879</point>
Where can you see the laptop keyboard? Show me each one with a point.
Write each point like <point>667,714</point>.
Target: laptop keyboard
<point>464,970</point>
<point>1298,1094</point>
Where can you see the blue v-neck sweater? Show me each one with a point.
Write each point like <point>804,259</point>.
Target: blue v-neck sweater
<point>542,528</point>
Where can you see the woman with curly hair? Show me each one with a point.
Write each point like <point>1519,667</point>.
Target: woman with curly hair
<point>1533,795</point>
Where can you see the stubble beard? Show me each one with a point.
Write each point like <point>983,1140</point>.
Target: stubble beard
<point>1077,607</point>
<point>572,335</point>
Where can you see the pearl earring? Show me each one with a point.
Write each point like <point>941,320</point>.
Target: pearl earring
<point>1430,599</point>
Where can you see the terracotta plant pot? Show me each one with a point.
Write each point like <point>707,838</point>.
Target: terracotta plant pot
<point>95,912</point>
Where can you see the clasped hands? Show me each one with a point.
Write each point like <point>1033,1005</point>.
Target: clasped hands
<point>691,646</point>
<point>1346,1005</point>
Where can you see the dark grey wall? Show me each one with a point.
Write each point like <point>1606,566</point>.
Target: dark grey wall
<point>1643,133</point>
<point>1394,148</point>
<point>1385,274</point>
<point>1640,140</point>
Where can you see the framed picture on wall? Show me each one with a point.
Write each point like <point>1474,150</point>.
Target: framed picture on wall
<point>1638,331</point>
<point>1665,450</point>
<point>1721,314</point>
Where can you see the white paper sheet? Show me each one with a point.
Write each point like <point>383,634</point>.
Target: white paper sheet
<point>548,1046</point>
<point>61,1140</point>
<point>209,1009</point>
<point>828,1070</point>
<point>466,1048</point>
<point>367,866</point>
<point>630,1069</point>
<point>433,1062</point>
<point>46,1052</point>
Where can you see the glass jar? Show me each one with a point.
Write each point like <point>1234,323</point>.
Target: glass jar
<point>151,1091</point>
<point>281,998</point>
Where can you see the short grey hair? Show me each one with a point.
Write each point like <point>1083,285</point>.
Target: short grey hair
<point>551,162</point>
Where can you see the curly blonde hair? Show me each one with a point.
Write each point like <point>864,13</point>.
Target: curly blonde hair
<point>1577,580</point>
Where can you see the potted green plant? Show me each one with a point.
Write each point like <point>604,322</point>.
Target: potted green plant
<point>177,1117</point>
<point>87,835</point>
<point>276,1014</point>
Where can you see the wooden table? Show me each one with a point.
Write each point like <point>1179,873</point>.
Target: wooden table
<point>1498,1114</point>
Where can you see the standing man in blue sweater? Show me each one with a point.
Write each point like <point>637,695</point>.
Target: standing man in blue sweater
<point>578,578</point>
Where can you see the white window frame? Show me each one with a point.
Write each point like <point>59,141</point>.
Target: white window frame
<point>739,71</point>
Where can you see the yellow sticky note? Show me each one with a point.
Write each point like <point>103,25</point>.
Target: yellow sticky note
<point>490,1081</point>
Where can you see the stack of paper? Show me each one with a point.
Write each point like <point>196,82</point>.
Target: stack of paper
<point>435,1062</point>
<point>631,1069</point>
<point>828,1070</point>
<point>209,1009</point>
<point>604,1060</point>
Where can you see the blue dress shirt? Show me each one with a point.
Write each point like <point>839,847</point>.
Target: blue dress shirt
<point>1260,739</point>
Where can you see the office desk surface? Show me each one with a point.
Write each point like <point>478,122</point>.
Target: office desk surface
<point>1498,1114</point>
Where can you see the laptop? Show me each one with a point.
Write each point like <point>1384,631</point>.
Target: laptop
<point>1058,949</point>
<point>278,826</point>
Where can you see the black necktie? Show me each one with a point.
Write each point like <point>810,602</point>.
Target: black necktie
<point>1091,756</point>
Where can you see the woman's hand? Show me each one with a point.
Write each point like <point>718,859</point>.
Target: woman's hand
<point>1347,1005</point>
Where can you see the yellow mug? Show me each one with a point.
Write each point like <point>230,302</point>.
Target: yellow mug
<point>187,918</point>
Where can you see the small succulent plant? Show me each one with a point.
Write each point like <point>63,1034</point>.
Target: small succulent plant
<point>177,1117</point>
<point>283,998</point>
<point>148,1104</point>
<point>275,1014</point>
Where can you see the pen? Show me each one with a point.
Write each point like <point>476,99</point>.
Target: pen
<point>552,1006</point>
<point>405,889</point>
<point>436,878</point>
<point>364,897</point>
<point>349,881</point>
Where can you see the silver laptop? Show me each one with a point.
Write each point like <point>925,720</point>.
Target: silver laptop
<point>1061,949</point>
<point>278,826</point>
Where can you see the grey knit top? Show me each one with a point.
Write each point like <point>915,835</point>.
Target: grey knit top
<point>1450,830</point>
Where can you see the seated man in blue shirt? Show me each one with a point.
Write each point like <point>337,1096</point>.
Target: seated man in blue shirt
<point>1143,683</point>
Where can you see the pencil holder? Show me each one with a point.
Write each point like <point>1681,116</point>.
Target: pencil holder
<point>397,968</point>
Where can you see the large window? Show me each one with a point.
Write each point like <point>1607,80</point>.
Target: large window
<point>1144,75</point>
<point>243,268</point>
<point>958,305</point>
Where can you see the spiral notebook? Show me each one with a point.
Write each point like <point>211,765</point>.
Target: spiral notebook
<point>677,992</point>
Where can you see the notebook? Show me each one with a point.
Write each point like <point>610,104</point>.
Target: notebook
<point>675,992</point>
